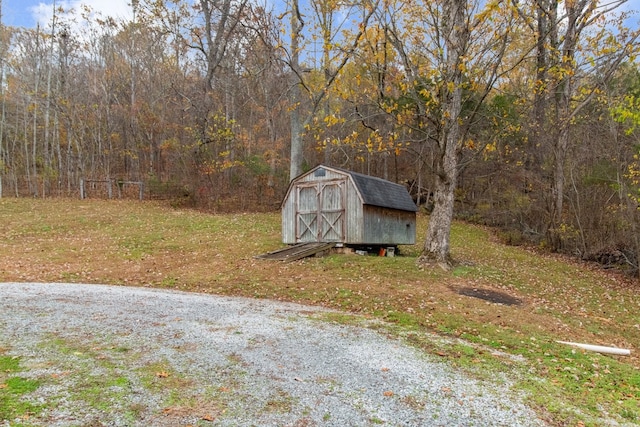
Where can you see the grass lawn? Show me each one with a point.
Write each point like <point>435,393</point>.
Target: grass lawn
<point>152,244</point>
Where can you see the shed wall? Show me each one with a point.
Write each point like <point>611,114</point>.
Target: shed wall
<point>362,224</point>
<point>388,226</point>
<point>328,176</point>
<point>289,219</point>
<point>354,230</point>
<point>352,205</point>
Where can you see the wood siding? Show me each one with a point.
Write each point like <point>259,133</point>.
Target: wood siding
<point>320,211</point>
<point>325,205</point>
<point>386,226</point>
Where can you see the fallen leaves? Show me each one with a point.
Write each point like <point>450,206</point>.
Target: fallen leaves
<point>57,375</point>
<point>561,299</point>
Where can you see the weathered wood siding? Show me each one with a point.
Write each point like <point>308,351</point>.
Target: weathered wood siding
<point>353,214</point>
<point>315,176</point>
<point>289,219</point>
<point>336,192</point>
<point>386,226</point>
<point>326,205</point>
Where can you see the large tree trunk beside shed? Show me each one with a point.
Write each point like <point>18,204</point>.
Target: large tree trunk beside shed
<point>437,242</point>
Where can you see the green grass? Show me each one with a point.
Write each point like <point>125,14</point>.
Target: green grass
<point>14,391</point>
<point>150,244</point>
<point>97,379</point>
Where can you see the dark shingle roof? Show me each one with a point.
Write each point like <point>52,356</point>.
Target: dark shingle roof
<point>382,193</point>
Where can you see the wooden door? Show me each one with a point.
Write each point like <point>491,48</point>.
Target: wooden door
<point>320,212</point>
<point>307,213</point>
<point>331,212</point>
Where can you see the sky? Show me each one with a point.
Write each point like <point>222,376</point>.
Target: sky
<point>26,13</point>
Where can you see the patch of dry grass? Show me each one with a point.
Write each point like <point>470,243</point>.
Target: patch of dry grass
<point>151,244</point>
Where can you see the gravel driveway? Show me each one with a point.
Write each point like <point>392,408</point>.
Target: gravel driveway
<point>119,356</point>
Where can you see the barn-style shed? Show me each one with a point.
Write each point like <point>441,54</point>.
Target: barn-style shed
<point>330,204</point>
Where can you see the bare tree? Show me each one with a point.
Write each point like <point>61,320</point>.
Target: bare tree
<point>302,91</point>
<point>571,48</point>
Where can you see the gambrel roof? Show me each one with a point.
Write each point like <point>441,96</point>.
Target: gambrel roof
<point>380,192</point>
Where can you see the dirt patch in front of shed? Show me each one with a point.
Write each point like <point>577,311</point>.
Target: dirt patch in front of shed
<point>489,295</point>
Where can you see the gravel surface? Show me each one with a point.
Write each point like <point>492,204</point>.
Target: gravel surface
<point>119,356</point>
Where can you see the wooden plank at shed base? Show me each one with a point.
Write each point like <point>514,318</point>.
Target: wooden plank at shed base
<point>298,251</point>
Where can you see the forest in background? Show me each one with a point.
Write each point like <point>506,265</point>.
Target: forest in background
<point>218,103</point>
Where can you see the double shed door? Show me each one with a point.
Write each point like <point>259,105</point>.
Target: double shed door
<point>320,211</point>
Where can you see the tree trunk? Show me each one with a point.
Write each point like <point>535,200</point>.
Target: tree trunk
<point>297,128</point>
<point>34,147</point>
<point>636,221</point>
<point>297,157</point>
<point>437,242</point>
<point>560,157</point>
<point>47,143</point>
<point>564,94</point>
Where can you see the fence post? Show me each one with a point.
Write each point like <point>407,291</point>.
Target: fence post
<point>81,188</point>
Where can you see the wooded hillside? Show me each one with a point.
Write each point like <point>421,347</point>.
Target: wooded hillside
<point>521,115</point>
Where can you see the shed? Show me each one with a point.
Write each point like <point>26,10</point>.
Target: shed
<point>328,204</point>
